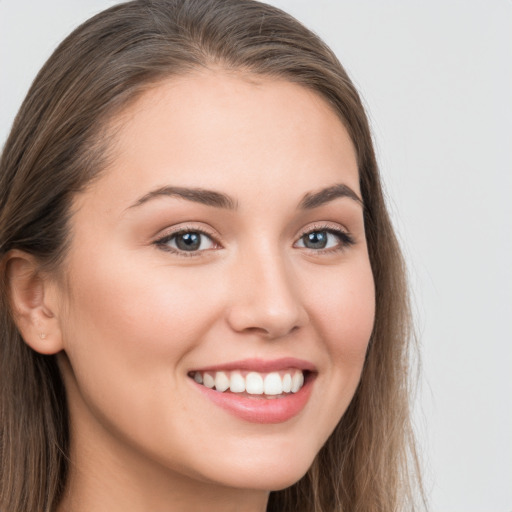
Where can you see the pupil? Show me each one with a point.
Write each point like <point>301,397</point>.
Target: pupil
<point>316,240</point>
<point>188,241</point>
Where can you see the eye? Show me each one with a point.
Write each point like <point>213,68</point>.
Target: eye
<point>187,241</point>
<point>325,239</point>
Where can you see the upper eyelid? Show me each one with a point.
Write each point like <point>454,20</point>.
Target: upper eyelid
<point>323,226</point>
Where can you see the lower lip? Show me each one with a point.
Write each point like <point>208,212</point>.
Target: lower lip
<point>261,410</point>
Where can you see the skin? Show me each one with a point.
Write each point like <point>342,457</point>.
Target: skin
<point>132,318</point>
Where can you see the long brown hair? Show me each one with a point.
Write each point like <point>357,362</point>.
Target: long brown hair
<point>59,143</point>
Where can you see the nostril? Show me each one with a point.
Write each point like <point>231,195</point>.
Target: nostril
<point>271,332</point>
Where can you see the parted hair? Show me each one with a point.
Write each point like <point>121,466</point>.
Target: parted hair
<point>59,142</point>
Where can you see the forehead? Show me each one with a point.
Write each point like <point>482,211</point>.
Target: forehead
<point>210,128</point>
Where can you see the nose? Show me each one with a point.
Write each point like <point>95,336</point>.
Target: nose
<point>266,298</point>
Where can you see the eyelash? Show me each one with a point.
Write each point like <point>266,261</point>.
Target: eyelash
<point>345,240</point>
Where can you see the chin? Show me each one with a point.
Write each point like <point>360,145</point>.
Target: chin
<point>267,480</point>
<point>274,475</point>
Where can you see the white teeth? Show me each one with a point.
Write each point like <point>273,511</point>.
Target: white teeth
<point>287,383</point>
<point>254,383</point>
<point>272,385</point>
<point>208,380</point>
<point>221,381</point>
<point>237,383</point>
<point>297,381</point>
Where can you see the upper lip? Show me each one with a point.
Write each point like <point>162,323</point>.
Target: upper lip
<point>260,365</point>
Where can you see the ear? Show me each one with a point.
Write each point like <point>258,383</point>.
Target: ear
<point>33,298</point>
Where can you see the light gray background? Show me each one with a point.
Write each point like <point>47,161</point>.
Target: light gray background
<point>437,79</point>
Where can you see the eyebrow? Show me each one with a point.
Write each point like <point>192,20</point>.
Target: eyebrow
<point>316,199</point>
<point>197,195</point>
<point>220,200</point>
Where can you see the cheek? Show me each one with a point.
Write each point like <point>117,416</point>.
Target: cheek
<point>137,305</point>
<point>129,323</point>
<point>129,330</point>
<point>344,317</point>
<point>345,312</point>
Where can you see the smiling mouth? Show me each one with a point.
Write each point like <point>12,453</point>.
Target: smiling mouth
<point>250,383</point>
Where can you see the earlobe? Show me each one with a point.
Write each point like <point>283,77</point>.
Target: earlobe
<point>32,298</point>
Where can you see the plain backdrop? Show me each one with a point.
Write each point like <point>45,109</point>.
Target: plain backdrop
<point>437,80</point>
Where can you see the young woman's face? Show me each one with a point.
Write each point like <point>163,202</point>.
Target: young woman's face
<point>223,246</point>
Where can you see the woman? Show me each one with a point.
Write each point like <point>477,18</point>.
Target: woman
<point>204,303</point>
